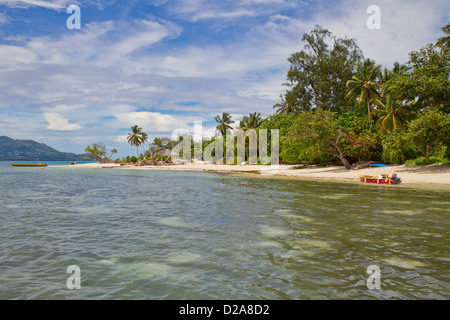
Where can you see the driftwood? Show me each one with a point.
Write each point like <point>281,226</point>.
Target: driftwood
<point>361,165</point>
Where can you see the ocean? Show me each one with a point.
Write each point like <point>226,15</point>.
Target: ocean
<point>74,233</point>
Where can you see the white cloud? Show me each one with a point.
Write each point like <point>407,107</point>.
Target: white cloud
<point>57,122</point>
<point>122,139</point>
<point>104,73</point>
<point>55,4</point>
<point>15,56</point>
<point>405,26</point>
<point>217,11</point>
<point>152,121</point>
<point>211,14</point>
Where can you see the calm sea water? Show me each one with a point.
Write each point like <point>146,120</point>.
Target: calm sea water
<point>181,235</point>
<point>50,163</point>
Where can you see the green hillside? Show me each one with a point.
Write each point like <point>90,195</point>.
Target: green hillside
<point>29,150</point>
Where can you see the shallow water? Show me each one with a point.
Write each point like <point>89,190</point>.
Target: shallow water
<point>181,235</point>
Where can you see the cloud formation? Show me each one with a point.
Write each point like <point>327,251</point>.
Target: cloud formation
<point>167,64</point>
<point>58,123</point>
<point>54,4</point>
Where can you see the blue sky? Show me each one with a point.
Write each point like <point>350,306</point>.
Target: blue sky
<point>164,64</point>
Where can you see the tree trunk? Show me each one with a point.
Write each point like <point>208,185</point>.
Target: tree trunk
<point>151,153</point>
<point>425,155</point>
<point>337,152</point>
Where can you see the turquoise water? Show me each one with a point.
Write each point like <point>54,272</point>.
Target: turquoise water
<point>181,235</point>
<point>50,163</point>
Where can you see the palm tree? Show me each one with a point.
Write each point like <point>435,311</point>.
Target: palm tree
<point>398,70</point>
<point>135,138</point>
<point>287,104</point>
<point>444,42</point>
<point>252,121</point>
<point>224,123</point>
<point>283,107</point>
<point>364,84</point>
<point>392,115</point>
<point>144,138</point>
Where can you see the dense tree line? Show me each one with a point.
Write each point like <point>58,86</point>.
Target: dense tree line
<point>322,117</point>
<point>340,107</point>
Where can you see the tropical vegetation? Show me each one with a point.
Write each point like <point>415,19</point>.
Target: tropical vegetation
<point>340,107</point>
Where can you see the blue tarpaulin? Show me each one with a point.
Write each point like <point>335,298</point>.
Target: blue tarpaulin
<point>379,165</point>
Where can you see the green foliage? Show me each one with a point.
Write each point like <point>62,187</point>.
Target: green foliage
<point>137,137</point>
<point>397,148</point>
<point>354,117</point>
<point>318,74</point>
<point>303,152</point>
<point>441,151</point>
<point>282,122</point>
<point>362,141</point>
<point>224,123</point>
<point>392,115</point>
<point>323,115</point>
<point>317,137</point>
<point>444,42</point>
<point>97,150</point>
<point>13,149</point>
<point>428,83</point>
<point>100,152</point>
<point>422,161</point>
<point>430,132</point>
<point>364,86</point>
<point>129,159</point>
<point>428,135</point>
<point>252,121</point>
<point>134,159</point>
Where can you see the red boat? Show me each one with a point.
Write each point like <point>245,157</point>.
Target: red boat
<point>382,178</point>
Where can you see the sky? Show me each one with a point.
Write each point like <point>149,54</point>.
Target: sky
<point>165,64</point>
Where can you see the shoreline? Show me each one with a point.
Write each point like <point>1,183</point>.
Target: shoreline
<point>414,176</point>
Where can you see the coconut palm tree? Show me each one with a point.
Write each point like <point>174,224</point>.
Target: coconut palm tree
<point>252,121</point>
<point>444,42</point>
<point>364,85</point>
<point>398,70</point>
<point>135,137</point>
<point>144,138</point>
<point>391,115</point>
<point>287,104</point>
<point>224,123</point>
<point>283,107</point>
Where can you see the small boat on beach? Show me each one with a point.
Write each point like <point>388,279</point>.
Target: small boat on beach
<point>28,164</point>
<point>381,178</point>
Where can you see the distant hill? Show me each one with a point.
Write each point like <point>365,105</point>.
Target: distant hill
<point>29,150</point>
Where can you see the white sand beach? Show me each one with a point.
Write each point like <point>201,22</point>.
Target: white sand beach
<point>417,175</point>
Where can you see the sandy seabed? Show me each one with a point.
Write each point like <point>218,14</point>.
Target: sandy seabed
<point>410,175</point>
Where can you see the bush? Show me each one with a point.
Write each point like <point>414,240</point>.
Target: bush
<point>397,148</point>
<point>422,161</point>
<point>134,159</point>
